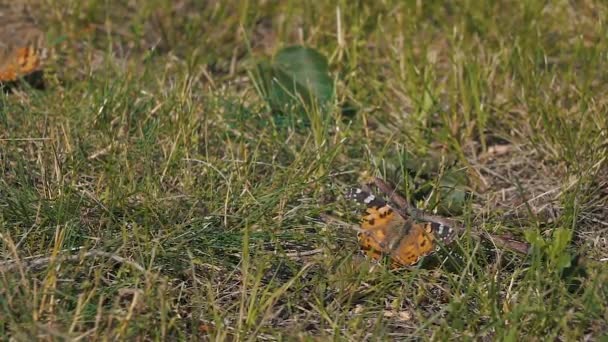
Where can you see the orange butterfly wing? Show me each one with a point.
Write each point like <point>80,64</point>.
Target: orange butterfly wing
<point>25,60</point>
<point>386,232</point>
<point>21,44</point>
<point>416,244</point>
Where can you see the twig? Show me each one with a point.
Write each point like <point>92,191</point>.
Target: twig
<point>507,241</point>
<point>331,219</point>
<point>40,262</point>
<point>24,139</point>
<point>298,255</point>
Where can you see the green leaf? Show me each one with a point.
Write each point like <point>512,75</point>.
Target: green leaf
<point>452,189</point>
<point>563,261</point>
<point>535,239</point>
<point>558,249</point>
<point>309,70</point>
<point>561,241</point>
<point>297,78</point>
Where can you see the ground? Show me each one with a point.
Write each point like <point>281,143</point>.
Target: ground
<point>149,192</point>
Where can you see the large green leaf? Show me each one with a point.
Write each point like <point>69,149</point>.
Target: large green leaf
<point>297,78</point>
<point>452,191</point>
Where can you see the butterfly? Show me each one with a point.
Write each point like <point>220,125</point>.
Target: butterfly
<point>386,231</point>
<point>21,45</point>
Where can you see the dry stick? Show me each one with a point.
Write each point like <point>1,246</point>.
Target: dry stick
<point>298,255</point>
<point>407,210</point>
<point>331,219</point>
<point>39,262</point>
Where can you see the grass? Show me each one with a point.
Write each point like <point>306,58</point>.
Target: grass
<point>148,192</point>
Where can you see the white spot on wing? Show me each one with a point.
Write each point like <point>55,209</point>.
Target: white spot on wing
<point>369,199</point>
<point>358,191</point>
